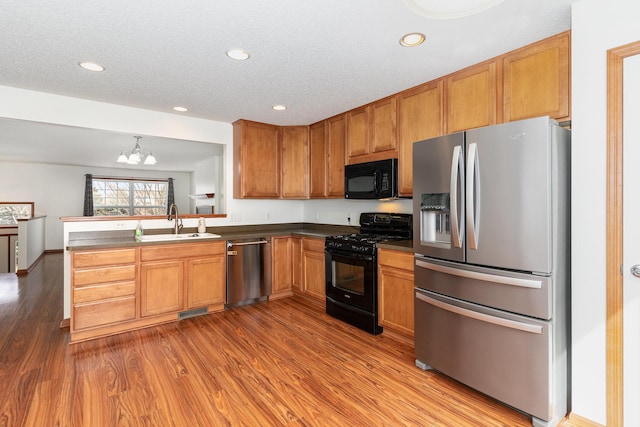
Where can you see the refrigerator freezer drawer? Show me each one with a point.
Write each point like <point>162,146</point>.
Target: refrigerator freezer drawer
<point>515,292</point>
<point>503,355</point>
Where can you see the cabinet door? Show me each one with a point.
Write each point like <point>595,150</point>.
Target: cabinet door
<point>295,160</point>
<point>336,145</point>
<point>318,163</point>
<point>358,133</point>
<point>383,126</point>
<point>161,287</point>
<point>536,80</point>
<point>420,116</point>
<point>471,97</point>
<point>206,282</point>
<point>296,263</point>
<point>313,268</point>
<point>256,160</point>
<point>281,267</point>
<point>395,291</point>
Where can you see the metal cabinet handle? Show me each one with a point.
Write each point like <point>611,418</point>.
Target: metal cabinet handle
<point>257,242</point>
<point>635,270</point>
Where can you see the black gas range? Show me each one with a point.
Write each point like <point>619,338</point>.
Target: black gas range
<point>352,270</point>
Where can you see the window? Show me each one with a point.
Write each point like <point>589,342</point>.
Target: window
<point>128,197</point>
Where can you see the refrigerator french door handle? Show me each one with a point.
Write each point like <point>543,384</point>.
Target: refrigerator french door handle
<point>511,324</point>
<point>457,167</point>
<point>493,278</point>
<point>472,197</point>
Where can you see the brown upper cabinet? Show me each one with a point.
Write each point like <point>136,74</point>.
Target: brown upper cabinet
<point>371,131</point>
<point>420,116</point>
<point>327,158</point>
<point>536,80</point>
<point>270,161</point>
<point>294,151</point>
<point>287,162</point>
<point>318,163</point>
<point>256,159</point>
<point>471,97</point>
<point>336,152</point>
<point>358,133</point>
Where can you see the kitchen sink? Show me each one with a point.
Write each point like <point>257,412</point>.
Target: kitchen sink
<point>172,236</point>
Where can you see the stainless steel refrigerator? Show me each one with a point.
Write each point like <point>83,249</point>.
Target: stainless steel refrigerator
<point>491,241</point>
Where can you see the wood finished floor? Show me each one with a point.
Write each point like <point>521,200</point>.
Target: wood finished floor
<point>275,363</point>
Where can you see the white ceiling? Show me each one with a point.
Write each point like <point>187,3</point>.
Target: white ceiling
<point>319,58</point>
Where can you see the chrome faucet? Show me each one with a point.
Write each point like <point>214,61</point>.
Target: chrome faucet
<point>176,226</point>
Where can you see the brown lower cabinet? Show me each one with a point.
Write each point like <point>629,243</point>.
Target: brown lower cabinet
<point>313,269</point>
<point>281,267</point>
<point>298,265</point>
<point>395,291</point>
<point>115,290</point>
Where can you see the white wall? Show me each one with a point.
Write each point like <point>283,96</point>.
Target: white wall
<point>58,191</point>
<point>596,27</point>
<point>338,211</point>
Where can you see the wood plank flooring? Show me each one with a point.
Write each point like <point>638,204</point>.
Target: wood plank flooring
<point>277,363</point>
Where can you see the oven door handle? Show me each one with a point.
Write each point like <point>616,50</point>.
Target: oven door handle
<point>332,253</point>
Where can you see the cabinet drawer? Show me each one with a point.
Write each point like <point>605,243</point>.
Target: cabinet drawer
<point>100,292</point>
<point>397,259</point>
<point>173,251</point>
<point>104,312</point>
<point>504,355</point>
<point>316,245</point>
<point>101,258</point>
<point>93,276</point>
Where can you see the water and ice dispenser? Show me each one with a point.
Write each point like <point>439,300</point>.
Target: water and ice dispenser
<point>435,228</point>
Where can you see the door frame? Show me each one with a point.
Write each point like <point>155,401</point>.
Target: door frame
<point>614,327</point>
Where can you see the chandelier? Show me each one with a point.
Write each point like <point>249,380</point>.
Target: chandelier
<point>137,155</point>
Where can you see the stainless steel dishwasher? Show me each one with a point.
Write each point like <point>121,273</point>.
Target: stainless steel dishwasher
<point>248,271</point>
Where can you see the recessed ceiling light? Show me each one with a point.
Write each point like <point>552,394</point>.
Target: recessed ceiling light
<point>181,109</point>
<point>91,66</point>
<point>412,39</point>
<point>238,54</point>
<point>279,107</point>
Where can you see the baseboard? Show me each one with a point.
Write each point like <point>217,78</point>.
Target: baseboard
<point>578,421</point>
<point>25,271</point>
<point>65,323</point>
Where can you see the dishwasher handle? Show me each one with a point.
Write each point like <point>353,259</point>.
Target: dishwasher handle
<point>253,242</point>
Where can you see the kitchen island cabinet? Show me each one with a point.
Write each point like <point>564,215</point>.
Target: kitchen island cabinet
<point>103,289</point>
<point>121,289</point>
<point>395,291</point>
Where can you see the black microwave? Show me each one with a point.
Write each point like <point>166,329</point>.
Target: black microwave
<point>371,180</point>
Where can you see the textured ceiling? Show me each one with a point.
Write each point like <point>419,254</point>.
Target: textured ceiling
<point>319,58</point>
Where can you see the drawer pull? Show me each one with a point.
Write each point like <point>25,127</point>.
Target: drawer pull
<point>512,324</point>
<point>493,278</point>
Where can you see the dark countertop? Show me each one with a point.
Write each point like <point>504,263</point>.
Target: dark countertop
<point>398,245</point>
<point>118,239</point>
<point>122,239</point>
